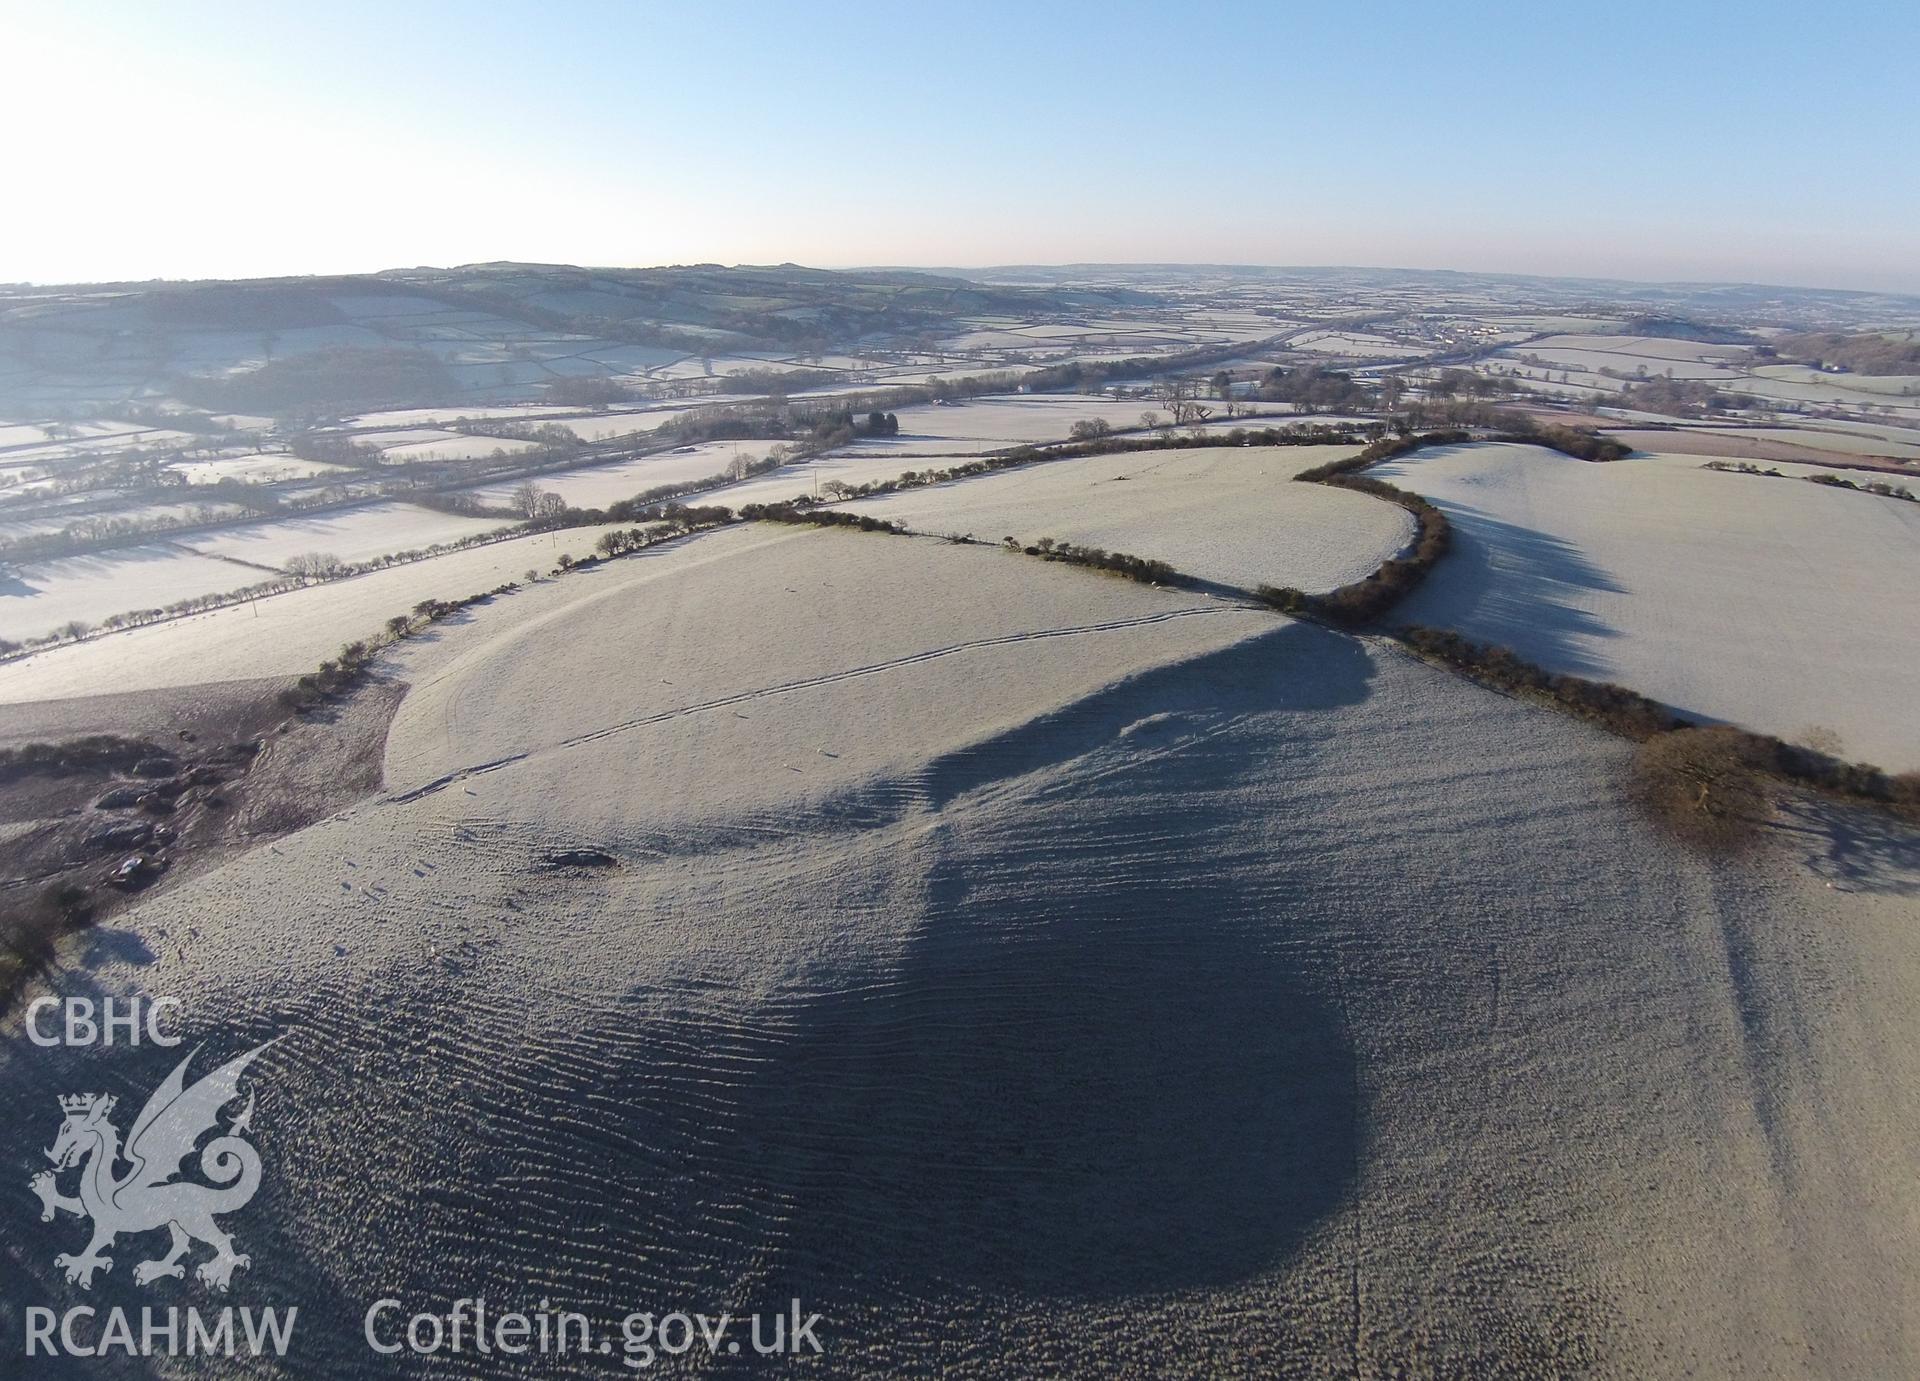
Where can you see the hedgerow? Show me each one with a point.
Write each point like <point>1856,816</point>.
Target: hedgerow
<point>1366,600</point>
<point>1145,569</point>
<point>1635,716</point>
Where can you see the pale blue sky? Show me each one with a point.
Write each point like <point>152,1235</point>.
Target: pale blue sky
<point>1768,142</point>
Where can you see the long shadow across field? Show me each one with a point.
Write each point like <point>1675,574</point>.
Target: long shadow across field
<point>1099,1094</point>
<point>1109,1058</point>
<point>1512,585</point>
<point>1098,1069</point>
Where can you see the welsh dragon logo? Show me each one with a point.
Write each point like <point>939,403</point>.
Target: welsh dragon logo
<point>149,1196</point>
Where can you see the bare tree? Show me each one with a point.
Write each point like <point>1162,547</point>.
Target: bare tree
<point>531,501</point>
<point>315,565</point>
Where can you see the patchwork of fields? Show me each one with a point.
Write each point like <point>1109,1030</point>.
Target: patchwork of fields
<point>1021,964</point>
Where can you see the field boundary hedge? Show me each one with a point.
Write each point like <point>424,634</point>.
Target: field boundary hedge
<point>1366,600</point>
<point>1634,716</point>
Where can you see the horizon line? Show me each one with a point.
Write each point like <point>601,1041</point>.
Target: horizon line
<point>958,270</point>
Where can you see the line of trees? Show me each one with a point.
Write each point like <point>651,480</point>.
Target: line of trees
<point>1577,442</point>
<point>1635,716</point>
<point>1884,490</point>
<point>821,517</point>
<point>1679,398</point>
<point>1365,601</point>
<point>1146,570</point>
<point>354,666</point>
<point>303,570</point>
<point>1878,487</point>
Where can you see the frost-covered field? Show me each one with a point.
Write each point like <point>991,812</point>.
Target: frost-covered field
<point>281,635</point>
<point>713,589</point>
<point>60,517</point>
<point>43,596</point>
<point>253,469</point>
<point>1352,343</point>
<point>1778,605</point>
<point>1793,384</point>
<point>1883,432</point>
<point>454,446</point>
<point>1859,443</point>
<point>1135,339</point>
<point>1624,363</point>
<point>596,486</point>
<point>439,416</point>
<point>1797,469</point>
<point>1231,514</point>
<point>965,922</point>
<point>1648,347</point>
<point>609,425</point>
<point>380,440</point>
<point>423,424</point>
<point>352,534</point>
<point>39,597</point>
<point>999,421</point>
<point>811,478</point>
<point>33,437</point>
<point>697,368</point>
<point>1764,443</point>
<point>1876,386</point>
<point>1588,355</point>
<point>95,445</point>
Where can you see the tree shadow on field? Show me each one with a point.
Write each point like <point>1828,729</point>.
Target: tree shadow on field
<point>1854,848</point>
<point>1520,588</point>
<point>1099,1068</point>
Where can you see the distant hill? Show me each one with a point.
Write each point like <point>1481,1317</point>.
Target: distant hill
<point>491,328</point>
<point>1872,352</point>
<point>1680,328</point>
